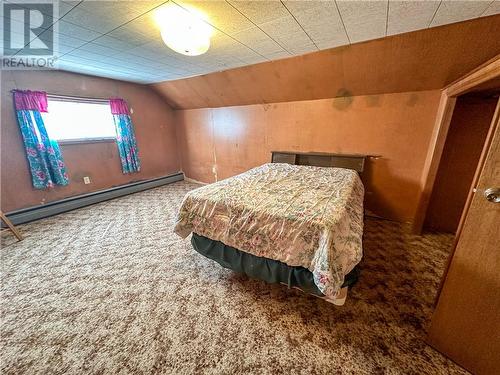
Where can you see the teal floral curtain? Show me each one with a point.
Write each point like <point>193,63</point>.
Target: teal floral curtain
<point>125,137</point>
<point>44,156</point>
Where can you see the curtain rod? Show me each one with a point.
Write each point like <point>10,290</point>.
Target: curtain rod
<point>73,97</point>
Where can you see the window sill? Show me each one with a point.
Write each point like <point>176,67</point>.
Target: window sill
<point>84,140</point>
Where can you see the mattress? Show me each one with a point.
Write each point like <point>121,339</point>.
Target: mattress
<point>304,216</point>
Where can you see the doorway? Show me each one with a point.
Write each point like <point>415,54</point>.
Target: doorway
<point>470,122</point>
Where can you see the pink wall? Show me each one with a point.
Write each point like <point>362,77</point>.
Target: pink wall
<point>153,123</point>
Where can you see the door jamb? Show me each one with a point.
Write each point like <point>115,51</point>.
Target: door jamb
<point>485,72</point>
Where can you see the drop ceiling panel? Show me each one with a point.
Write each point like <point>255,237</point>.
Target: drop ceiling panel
<point>493,8</point>
<point>82,33</point>
<point>113,43</point>
<point>122,10</point>
<point>70,61</point>
<point>277,55</point>
<point>98,23</point>
<point>321,21</point>
<point>120,39</point>
<point>223,15</point>
<point>289,35</point>
<point>86,55</point>
<point>144,25</point>
<point>70,41</point>
<point>130,35</point>
<point>405,16</point>
<point>259,41</point>
<point>363,20</point>
<point>455,10</point>
<point>261,11</point>
<point>99,49</point>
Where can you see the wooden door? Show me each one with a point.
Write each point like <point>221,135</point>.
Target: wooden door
<point>466,323</point>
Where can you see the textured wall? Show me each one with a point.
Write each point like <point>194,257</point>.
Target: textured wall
<point>221,142</point>
<point>154,127</point>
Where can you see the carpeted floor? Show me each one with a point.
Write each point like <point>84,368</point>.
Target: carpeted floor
<point>110,289</point>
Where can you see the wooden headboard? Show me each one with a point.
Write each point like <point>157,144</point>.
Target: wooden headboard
<point>320,159</point>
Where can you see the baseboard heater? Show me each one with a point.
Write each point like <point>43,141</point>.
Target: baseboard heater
<point>38,212</point>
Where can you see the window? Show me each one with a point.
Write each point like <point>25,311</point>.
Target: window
<point>79,120</point>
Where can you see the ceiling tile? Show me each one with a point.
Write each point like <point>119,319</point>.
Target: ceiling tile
<point>86,55</point>
<point>321,21</point>
<point>145,25</point>
<point>277,55</point>
<point>405,16</point>
<point>130,35</point>
<point>63,49</point>
<point>99,23</point>
<point>99,49</point>
<point>258,40</point>
<point>130,61</point>
<point>113,43</point>
<point>261,11</point>
<point>79,32</point>
<point>255,60</point>
<point>493,8</point>
<point>69,41</point>
<point>288,34</point>
<point>65,7</point>
<point>120,9</point>
<point>224,44</point>
<point>455,10</point>
<point>220,14</point>
<point>142,6</point>
<point>363,20</point>
<point>298,6</point>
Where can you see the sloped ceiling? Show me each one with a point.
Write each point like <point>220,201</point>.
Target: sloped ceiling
<point>118,39</point>
<point>421,60</point>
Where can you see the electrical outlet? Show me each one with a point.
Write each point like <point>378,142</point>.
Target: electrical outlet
<point>86,180</point>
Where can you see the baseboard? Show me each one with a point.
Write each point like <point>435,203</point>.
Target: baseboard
<point>38,212</point>
<point>195,181</point>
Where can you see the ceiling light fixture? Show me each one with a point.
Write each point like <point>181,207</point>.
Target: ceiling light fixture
<point>184,31</point>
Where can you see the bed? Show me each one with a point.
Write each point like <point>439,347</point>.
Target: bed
<point>289,221</point>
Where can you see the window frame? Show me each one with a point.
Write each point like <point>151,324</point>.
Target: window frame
<point>78,99</point>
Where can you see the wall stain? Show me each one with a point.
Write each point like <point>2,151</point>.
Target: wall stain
<point>342,100</point>
<point>373,100</point>
<point>412,100</point>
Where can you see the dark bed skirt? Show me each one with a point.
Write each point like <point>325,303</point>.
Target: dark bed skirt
<point>269,270</point>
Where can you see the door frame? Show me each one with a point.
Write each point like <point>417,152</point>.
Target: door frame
<point>485,72</point>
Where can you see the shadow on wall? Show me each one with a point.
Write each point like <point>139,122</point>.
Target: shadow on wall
<point>376,175</point>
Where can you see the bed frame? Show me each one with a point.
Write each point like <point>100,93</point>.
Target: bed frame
<point>322,159</point>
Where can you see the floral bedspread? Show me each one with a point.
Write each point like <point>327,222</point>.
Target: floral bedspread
<point>300,215</point>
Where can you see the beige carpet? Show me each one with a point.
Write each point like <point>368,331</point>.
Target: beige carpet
<point>110,289</point>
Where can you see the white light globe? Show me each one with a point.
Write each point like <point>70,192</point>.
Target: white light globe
<point>183,31</point>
